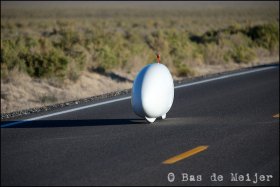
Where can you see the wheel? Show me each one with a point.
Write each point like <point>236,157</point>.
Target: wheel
<point>151,120</point>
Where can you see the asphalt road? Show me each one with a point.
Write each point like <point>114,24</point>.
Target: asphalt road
<point>233,117</point>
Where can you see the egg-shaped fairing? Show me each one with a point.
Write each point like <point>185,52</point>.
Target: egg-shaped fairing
<point>152,92</point>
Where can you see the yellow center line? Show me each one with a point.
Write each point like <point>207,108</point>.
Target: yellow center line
<point>276,116</point>
<point>184,155</point>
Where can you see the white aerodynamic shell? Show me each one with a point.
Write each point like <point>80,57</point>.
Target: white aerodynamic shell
<point>153,92</point>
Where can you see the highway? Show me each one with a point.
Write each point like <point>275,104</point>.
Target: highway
<point>221,130</point>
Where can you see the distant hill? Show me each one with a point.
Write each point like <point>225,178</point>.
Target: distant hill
<point>135,4</point>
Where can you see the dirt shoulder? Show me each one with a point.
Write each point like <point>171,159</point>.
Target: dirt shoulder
<point>23,92</point>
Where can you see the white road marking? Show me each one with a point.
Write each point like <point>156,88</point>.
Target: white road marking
<point>224,77</point>
<point>66,111</point>
<point>129,97</point>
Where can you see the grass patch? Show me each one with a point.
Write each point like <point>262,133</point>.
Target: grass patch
<point>106,40</point>
<point>48,99</point>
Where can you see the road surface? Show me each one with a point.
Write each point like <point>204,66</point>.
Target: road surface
<point>222,130</point>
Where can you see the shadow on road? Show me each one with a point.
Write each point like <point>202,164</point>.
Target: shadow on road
<point>74,123</point>
<point>265,65</point>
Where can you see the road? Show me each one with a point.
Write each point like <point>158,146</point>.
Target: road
<point>224,125</point>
